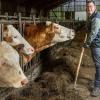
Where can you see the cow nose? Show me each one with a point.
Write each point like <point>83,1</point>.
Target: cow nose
<point>24,82</point>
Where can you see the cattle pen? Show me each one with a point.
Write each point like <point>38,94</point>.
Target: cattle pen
<point>33,68</point>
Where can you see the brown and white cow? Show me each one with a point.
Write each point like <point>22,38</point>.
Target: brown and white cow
<point>43,35</point>
<point>14,38</point>
<point>11,74</point>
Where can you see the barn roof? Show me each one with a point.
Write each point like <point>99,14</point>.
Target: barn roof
<point>39,4</point>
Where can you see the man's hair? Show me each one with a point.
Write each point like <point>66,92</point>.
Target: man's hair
<point>90,1</point>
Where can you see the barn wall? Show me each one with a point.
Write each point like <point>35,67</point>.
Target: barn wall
<point>13,7</point>
<point>80,16</point>
<point>21,9</point>
<point>9,7</point>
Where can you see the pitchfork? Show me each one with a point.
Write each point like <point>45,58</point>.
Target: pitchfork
<point>80,60</point>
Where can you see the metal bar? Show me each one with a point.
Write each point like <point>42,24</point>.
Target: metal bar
<point>20,23</point>
<point>23,21</point>
<point>23,28</point>
<point>20,30</point>
<point>0,32</point>
<point>34,20</point>
<point>16,17</point>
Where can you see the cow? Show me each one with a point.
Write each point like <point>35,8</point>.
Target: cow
<point>40,36</point>
<point>15,39</point>
<point>45,34</point>
<point>11,74</point>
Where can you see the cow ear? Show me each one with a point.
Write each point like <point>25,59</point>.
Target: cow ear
<point>48,23</point>
<point>5,27</point>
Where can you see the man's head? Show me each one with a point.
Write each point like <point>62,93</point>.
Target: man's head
<point>90,7</point>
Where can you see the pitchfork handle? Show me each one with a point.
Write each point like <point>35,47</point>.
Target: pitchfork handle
<point>80,60</point>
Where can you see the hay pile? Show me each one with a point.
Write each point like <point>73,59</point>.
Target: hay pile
<point>60,69</point>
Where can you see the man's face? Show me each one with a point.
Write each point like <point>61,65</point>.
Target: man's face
<point>90,8</point>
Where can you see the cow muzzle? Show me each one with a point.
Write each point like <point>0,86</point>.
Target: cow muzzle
<point>21,83</point>
<point>24,82</point>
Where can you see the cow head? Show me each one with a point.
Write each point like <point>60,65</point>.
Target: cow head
<point>14,38</point>
<point>61,33</point>
<point>11,74</point>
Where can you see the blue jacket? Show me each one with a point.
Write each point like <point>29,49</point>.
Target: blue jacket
<point>93,39</point>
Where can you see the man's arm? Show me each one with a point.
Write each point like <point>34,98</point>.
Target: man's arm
<point>95,26</point>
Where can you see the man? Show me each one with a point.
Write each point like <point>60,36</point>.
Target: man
<point>93,41</point>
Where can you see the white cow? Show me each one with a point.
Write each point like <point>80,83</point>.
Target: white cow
<point>11,74</point>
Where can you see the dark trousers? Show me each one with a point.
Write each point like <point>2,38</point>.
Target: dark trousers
<point>96,58</point>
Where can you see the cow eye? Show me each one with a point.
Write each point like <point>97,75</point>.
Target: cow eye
<point>15,36</point>
<point>3,63</point>
<point>19,72</point>
<point>62,36</point>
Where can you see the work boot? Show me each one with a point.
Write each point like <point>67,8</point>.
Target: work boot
<point>95,92</point>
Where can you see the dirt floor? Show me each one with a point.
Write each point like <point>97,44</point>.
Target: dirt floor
<point>56,81</point>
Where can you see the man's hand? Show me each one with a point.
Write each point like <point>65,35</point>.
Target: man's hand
<point>85,45</point>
